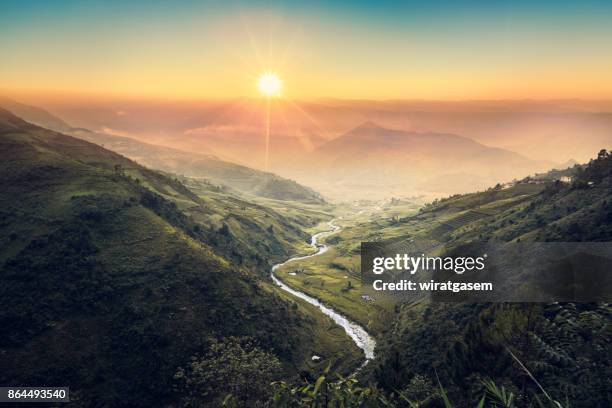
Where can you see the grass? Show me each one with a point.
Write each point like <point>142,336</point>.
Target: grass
<point>113,275</point>
<point>332,344</point>
<point>327,276</point>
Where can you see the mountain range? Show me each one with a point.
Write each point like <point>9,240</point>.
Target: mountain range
<point>193,164</point>
<point>373,158</point>
<point>425,147</point>
<point>113,275</point>
<point>554,130</point>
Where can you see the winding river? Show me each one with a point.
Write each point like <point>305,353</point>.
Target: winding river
<point>357,333</point>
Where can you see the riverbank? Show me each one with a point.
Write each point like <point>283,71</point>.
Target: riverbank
<point>357,333</point>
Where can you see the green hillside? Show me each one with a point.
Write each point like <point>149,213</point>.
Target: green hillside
<point>204,166</point>
<point>112,275</point>
<point>566,347</point>
<point>434,354</point>
<point>141,288</point>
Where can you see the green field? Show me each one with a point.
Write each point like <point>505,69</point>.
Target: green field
<point>334,277</point>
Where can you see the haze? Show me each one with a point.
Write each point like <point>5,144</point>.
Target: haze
<point>377,98</point>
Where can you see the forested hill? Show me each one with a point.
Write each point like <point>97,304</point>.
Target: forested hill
<point>566,347</point>
<point>108,285</point>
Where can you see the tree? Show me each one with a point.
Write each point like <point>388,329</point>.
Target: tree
<point>232,369</point>
<point>349,286</point>
<point>224,230</point>
<point>602,155</point>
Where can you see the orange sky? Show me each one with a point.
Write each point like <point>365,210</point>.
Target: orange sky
<point>218,52</point>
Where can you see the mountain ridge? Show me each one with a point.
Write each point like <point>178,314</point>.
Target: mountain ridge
<point>419,161</point>
<point>215,170</point>
<point>106,270</point>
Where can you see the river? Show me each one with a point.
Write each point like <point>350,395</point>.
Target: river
<point>357,333</point>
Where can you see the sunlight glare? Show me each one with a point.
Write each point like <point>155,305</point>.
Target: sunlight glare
<point>269,84</point>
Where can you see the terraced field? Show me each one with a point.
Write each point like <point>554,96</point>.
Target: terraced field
<point>465,218</point>
<point>334,277</point>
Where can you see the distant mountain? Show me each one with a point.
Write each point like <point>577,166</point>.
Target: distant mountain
<point>385,157</point>
<point>35,115</point>
<point>207,166</point>
<point>566,164</point>
<point>232,130</point>
<point>113,275</point>
<point>552,130</point>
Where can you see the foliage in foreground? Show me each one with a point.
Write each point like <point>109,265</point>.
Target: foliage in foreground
<point>235,372</point>
<point>347,393</point>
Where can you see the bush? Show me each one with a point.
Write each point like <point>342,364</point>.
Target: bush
<point>234,369</point>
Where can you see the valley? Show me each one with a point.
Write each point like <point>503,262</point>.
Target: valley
<point>337,148</point>
<point>361,338</point>
<point>122,257</point>
<point>285,204</point>
<point>469,339</point>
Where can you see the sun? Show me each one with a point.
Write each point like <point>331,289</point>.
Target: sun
<point>269,84</point>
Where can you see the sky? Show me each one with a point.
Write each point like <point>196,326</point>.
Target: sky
<point>443,50</point>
